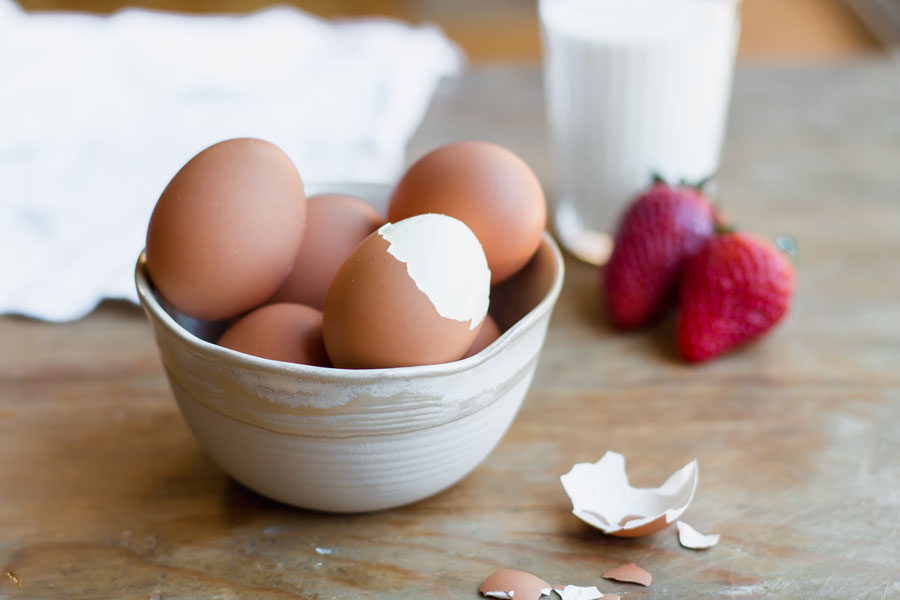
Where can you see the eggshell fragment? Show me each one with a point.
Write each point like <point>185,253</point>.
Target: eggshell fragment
<point>224,233</point>
<point>488,333</point>
<point>513,584</point>
<point>413,293</point>
<point>574,592</point>
<point>285,332</point>
<point>630,573</point>
<point>602,497</point>
<point>693,539</point>
<point>549,591</point>
<point>488,188</point>
<point>335,225</point>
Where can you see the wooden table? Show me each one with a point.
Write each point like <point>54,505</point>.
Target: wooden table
<point>104,494</point>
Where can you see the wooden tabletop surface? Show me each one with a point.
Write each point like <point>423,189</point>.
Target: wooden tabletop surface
<point>105,494</point>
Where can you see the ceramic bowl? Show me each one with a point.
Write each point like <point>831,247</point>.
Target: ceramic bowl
<point>343,440</point>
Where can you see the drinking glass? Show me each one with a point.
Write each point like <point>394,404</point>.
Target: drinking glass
<point>633,88</point>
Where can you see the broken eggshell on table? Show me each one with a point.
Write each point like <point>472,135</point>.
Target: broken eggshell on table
<point>630,573</point>
<point>574,592</point>
<point>693,539</point>
<point>511,584</point>
<point>602,497</point>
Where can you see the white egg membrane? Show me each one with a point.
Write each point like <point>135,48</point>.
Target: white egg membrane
<point>446,262</point>
<point>602,496</point>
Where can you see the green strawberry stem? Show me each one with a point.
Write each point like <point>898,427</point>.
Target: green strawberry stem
<point>656,178</point>
<point>704,182</point>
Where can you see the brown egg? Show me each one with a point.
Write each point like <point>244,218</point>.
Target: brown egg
<point>286,332</point>
<point>486,336</point>
<point>224,234</point>
<point>335,225</point>
<point>413,293</point>
<point>488,188</point>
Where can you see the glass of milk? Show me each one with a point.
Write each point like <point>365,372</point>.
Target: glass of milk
<point>633,87</point>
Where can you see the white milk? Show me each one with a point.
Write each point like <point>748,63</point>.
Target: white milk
<point>633,87</point>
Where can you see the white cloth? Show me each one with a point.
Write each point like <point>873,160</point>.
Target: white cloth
<point>98,113</point>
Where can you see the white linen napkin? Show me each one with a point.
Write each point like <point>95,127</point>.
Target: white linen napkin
<point>98,113</point>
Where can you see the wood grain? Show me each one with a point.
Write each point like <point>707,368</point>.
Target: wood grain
<point>104,493</point>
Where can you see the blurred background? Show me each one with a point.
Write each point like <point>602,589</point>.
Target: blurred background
<point>97,114</point>
<point>508,29</point>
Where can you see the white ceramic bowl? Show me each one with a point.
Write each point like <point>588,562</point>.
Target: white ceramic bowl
<point>346,440</point>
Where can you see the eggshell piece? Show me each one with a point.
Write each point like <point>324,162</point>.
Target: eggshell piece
<point>413,293</point>
<point>574,592</point>
<point>335,225</point>
<point>602,496</point>
<point>488,188</point>
<point>630,573</point>
<point>488,333</point>
<point>285,332</point>
<point>517,585</point>
<point>644,528</point>
<point>225,231</point>
<point>693,539</point>
<point>549,591</point>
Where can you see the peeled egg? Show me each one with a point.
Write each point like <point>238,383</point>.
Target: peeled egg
<point>488,188</point>
<point>335,225</point>
<point>225,231</point>
<point>285,332</point>
<point>488,333</point>
<point>414,292</point>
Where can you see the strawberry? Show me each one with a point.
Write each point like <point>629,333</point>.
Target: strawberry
<point>662,227</point>
<point>735,289</point>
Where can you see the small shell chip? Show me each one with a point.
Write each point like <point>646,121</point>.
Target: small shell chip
<point>574,592</point>
<point>693,539</point>
<point>630,573</point>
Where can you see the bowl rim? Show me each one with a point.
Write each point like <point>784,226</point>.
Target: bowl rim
<point>335,374</point>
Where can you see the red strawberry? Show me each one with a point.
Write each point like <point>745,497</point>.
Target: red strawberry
<point>733,290</point>
<point>663,226</point>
